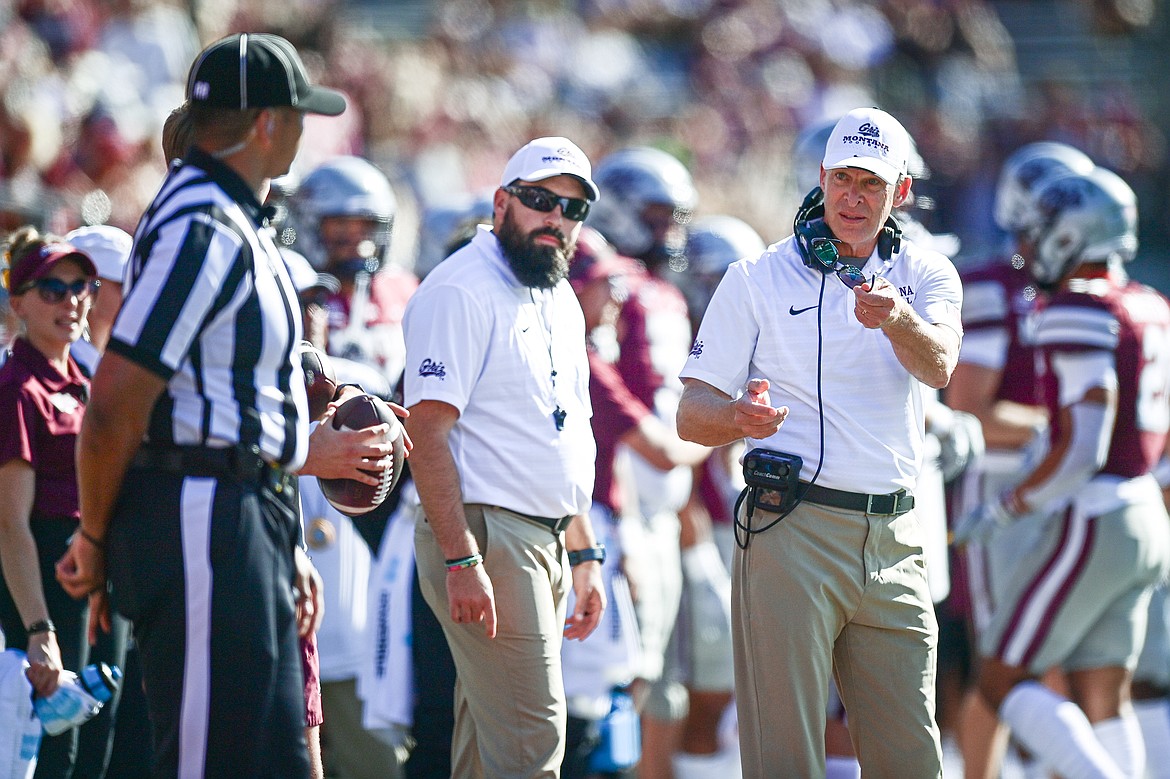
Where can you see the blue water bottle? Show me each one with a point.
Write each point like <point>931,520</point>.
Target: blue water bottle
<point>79,697</point>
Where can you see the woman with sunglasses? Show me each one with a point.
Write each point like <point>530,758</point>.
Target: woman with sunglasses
<point>42,399</point>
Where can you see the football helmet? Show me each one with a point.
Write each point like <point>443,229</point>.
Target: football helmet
<point>631,181</point>
<point>1089,217</point>
<point>713,243</point>
<point>1024,174</point>
<point>345,187</point>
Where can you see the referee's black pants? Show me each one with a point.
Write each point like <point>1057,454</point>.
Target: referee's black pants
<point>203,567</point>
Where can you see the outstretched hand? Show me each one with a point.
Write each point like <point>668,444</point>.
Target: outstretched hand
<point>754,414</point>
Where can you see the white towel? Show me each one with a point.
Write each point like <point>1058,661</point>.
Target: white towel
<point>386,683</point>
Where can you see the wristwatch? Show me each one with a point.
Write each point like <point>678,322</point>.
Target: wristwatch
<point>587,555</point>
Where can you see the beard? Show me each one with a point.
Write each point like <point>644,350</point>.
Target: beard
<point>535,264</point>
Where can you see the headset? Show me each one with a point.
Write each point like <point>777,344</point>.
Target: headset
<point>816,241</point>
<point>763,468</point>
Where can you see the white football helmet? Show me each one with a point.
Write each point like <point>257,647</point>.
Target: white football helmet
<point>1023,175</point>
<point>630,180</point>
<point>1084,218</point>
<point>713,243</point>
<point>344,186</point>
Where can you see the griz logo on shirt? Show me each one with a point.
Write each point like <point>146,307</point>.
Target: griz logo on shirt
<point>431,368</point>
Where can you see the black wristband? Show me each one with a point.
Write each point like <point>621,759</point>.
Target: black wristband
<point>41,626</point>
<point>587,555</point>
<point>340,387</point>
<point>97,543</point>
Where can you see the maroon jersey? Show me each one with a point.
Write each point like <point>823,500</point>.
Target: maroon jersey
<point>615,412</point>
<point>1132,321</point>
<point>655,336</point>
<point>999,301</point>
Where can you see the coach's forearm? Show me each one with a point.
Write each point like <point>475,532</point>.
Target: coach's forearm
<point>705,415</point>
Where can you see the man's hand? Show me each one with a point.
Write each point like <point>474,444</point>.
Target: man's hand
<point>472,598</point>
<point>978,525</point>
<point>82,569</point>
<point>99,615</point>
<point>347,454</point>
<point>754,414</point>
<point>308,589</point>
<point>590,600</point>
<point>877,303</point>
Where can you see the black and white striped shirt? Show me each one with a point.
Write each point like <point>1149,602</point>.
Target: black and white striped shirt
<point>209,307</point>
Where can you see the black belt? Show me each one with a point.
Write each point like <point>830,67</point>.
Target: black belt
<point>554,524</point>
<point>892,504</point>
<point>243,464</point>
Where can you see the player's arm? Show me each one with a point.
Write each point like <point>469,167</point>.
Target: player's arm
<point>1006,425</point>
<point>469,590</point>
<point>660,446</point>
<point>122,396</point>
<point>1088,408</point>
<point>710,417</point>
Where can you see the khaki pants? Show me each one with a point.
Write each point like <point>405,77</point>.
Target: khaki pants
<point>509,695</point>
<point>831,591</point>
<point>350,751</point>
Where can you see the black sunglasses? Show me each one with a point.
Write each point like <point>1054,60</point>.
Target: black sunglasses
<point>826,253</point>
<point>540,199</point>
<point>53,290</point>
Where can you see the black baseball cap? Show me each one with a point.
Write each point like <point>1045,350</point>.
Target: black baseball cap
<point>257,70</point>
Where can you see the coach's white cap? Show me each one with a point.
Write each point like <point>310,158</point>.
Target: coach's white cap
<point>107,246</point>
<point>544,158</point>
<point>870,139</point>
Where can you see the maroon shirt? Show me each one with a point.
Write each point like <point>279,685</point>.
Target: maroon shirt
<point>41,412</point>
<point>655,336</point>
<point>615,412</point>
<point>1133,321</point>
<point>1017,301</point>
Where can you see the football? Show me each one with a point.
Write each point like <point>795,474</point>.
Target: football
<point>351,497</point>
<point>320,382</point>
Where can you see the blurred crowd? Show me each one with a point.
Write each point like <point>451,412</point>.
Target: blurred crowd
<point>438,102</point>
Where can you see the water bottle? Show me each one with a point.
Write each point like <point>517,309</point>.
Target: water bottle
<point>79,698</point>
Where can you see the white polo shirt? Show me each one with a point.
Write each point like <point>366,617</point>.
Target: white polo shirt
<point>480,341</point>
<point>762,323</point>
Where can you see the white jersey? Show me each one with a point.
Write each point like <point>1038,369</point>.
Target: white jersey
<point>773,317</point>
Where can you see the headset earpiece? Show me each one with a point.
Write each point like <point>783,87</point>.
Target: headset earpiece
<point>889,239</point>
<point>812,233</point>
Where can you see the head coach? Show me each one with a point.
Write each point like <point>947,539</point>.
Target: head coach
<point>816,352</point>
<point>197,418</point>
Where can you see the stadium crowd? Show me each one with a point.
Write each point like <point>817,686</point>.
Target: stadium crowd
<point>693,114</point>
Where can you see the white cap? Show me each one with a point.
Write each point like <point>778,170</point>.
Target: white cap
<point>544,158</point>
<point>870,139</point>
<point>108,247</point>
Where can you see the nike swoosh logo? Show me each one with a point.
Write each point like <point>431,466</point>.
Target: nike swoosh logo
<point>795,311</point>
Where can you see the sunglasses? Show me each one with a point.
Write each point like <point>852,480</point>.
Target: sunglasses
<point>53,290</point>
<point>540,199</point>
<point>826,253</point>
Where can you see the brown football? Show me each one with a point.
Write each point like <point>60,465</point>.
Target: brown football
<point>352,497</point>
<point>320,381</point>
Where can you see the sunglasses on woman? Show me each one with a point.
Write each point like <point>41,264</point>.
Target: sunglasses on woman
<point>53,290</point>
<point>544,201</point>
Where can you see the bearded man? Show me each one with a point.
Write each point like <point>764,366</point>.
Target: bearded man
<point>497,383</point>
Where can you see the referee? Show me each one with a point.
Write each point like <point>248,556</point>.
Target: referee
<point>197,417</point>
